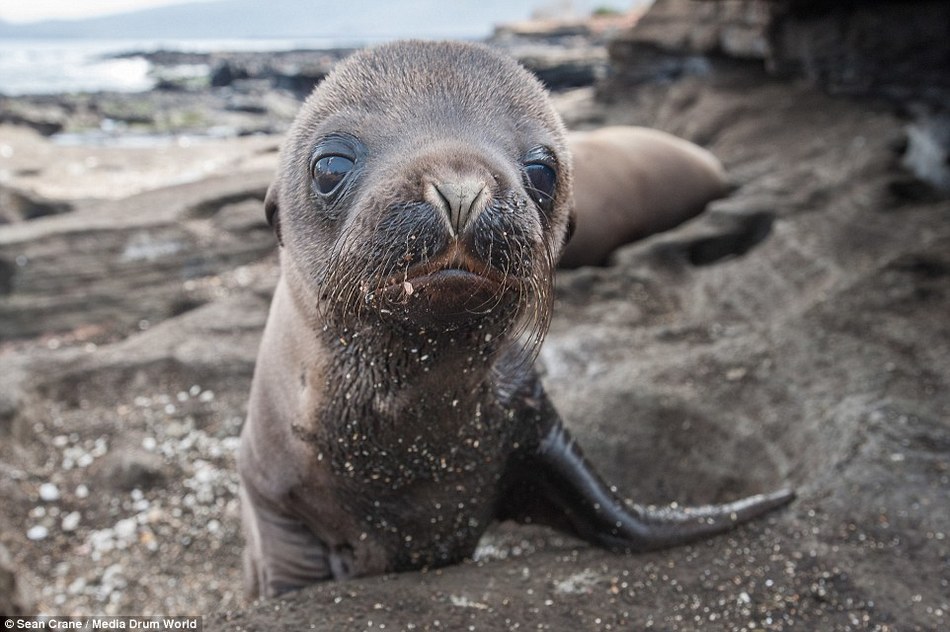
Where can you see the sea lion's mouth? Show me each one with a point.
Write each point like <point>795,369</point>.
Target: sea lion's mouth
<point>455,268</point>
<point>447,277</point>
<point>449,289</point>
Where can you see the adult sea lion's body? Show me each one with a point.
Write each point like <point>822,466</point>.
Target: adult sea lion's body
<point>631,182</point>
<point>422,201</point>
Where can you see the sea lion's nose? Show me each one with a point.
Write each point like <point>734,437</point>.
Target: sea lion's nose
<point>461,198</point>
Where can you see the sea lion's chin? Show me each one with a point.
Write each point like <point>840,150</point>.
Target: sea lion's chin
<point>447,299</point>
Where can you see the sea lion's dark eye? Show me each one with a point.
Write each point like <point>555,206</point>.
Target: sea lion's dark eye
<point>329,171</point>
<point>542,180</point>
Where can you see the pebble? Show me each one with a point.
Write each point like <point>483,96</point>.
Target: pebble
<point>176,429</point>
<point>71,521</point>
<point>39,532</point>
<point>77,586</point>
<point>125,529</point>
<point>49,492</point>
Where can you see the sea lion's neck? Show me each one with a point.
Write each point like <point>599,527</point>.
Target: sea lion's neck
<point>401,408</point>
<point>376,394</point>
<point>404,371</point>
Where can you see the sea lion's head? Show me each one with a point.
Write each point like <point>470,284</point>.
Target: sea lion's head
<point>426,186</point>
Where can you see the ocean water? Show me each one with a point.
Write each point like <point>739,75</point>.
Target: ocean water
<point>81,65</point>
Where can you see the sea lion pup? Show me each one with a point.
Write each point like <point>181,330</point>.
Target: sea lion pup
<point>631,182</point>
<point>422,201</point>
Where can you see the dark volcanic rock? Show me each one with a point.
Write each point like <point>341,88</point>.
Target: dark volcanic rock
<point>737,28</point>
<point>225,73</point>
<point>41,115</point>
<point>560,71</point>
<point>895,50</point>
<point>891,48</point>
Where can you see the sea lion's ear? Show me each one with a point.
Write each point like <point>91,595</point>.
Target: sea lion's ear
<point>571,226</point>
<point>270,210</point>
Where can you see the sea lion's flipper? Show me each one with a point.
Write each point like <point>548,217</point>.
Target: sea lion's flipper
<point>556,486</point>
<point>284,555</point>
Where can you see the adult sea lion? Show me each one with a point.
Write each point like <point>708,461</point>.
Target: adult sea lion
<point>422,201</point>
<point>631,182</point>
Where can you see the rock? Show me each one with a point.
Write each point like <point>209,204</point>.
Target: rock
<point>17,206</point>
<point>891,48</point>
<point>736,28</point>
<point>565,69</point>
<point>125,530</point>
<point>41,115</point>
<point>225,73</point>
<point>71,521</point>
<point>49,492</point>
<point>300,79</point>
<point>37,532</point>
<point>107,257</point>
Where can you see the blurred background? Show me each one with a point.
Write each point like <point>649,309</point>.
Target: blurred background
<point>48,47</point>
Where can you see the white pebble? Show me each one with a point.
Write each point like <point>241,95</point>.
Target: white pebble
<point>77,586</point>
<point>82,492</point>
<point>231,444</point>
<point>39,532</point>
<point>125,529</point>
<point>204,476</point>
<point>71,521</point>
<point>102,541</point>
<point>49,492</point>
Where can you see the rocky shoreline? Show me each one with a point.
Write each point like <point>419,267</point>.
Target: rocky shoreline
<point>795,334</point>
<point>241,93</point>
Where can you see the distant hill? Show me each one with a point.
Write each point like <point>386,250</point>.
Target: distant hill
<point>281,19</point>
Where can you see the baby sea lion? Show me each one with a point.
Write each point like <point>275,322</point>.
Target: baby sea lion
<point>422,202</point>
<point>631,182</point>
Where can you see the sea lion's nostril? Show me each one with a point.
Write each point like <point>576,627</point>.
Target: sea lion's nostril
<point>460,199</point>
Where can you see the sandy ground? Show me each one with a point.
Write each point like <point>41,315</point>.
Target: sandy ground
<point>793,335</point>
